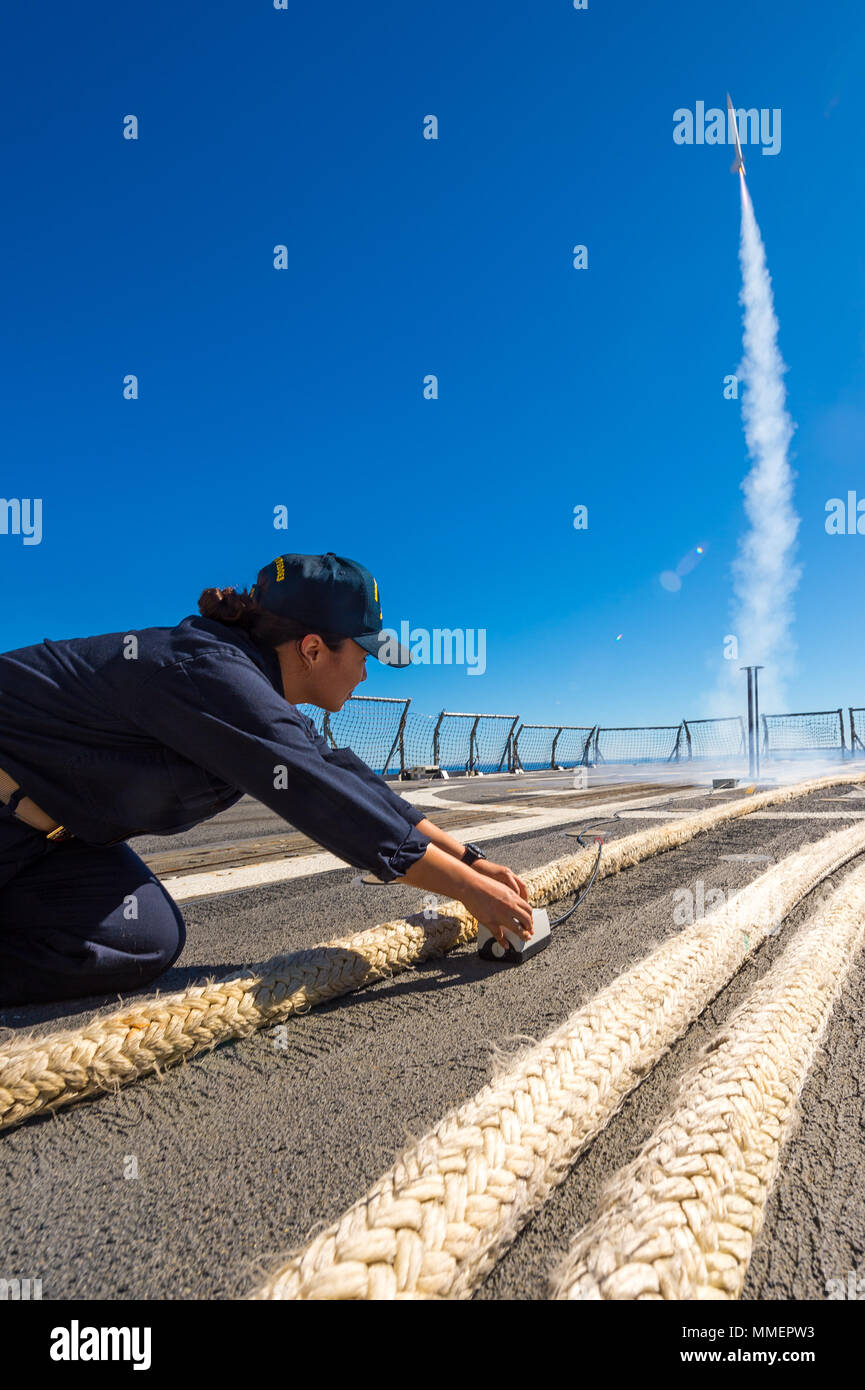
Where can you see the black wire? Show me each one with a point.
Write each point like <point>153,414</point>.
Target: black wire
<point>575,904</point>
<point>579,837</point>
<point>608,820</point>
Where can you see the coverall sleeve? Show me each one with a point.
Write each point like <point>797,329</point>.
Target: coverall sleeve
<point>346,757</point>
<point>221,713</point>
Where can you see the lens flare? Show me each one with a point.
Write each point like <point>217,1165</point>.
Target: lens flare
<point>687,562</point>
<point>671,580</point>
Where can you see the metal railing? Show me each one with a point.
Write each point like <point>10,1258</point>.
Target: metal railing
<point>814,731</point>
<point>715,738</point>
<point>448,737</point>
<point>392,738</point>
<point>558,756</point>
<point>646,743</point>
<point>338,730</point>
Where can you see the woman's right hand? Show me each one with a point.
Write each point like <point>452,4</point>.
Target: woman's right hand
<point>493,903</point>
<point>496,906</point>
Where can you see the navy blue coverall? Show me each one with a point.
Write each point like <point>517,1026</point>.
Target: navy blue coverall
<point>152,732</point>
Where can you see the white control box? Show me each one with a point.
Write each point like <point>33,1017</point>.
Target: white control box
<point>517,950</point>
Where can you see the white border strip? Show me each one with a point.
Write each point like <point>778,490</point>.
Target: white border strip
<point>184,887</point>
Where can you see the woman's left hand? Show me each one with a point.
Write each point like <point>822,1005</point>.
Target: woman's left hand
<point>501,875</point>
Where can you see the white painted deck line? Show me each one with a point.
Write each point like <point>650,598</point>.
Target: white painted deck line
<point>755,815</point>
<point>245,876</point>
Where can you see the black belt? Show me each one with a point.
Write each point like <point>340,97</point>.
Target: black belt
<point>59,832</point>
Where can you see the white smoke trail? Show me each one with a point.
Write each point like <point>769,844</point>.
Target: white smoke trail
<point>764,574</point>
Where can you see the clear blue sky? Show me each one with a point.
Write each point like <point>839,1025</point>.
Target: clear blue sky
<point>408,256</point>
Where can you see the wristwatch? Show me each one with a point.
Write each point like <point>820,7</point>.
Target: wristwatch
<point>472,852</point>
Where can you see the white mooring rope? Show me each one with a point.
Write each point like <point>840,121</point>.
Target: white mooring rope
<point>680,1221</point>
<point>42,1073</point>
<point>434,1225</point>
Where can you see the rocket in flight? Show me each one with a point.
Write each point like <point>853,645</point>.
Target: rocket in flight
<point>738,165</point>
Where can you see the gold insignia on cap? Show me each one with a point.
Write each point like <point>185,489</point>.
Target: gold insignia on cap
<point>280,568</point>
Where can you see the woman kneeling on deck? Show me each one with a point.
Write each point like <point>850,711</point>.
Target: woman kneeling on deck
<point>152,732</point>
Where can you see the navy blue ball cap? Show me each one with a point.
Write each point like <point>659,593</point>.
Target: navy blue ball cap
<point>330,594</point>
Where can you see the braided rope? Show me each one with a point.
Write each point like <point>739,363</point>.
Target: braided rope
<point>680,1221</point>
<point>563,876</point>
<point>434,1225</point>
<point>42,1073</point>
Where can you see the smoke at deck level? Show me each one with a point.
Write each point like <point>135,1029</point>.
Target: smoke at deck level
<point>764,573</point>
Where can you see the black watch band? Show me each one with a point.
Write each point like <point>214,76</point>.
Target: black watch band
<point>472,852</point>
